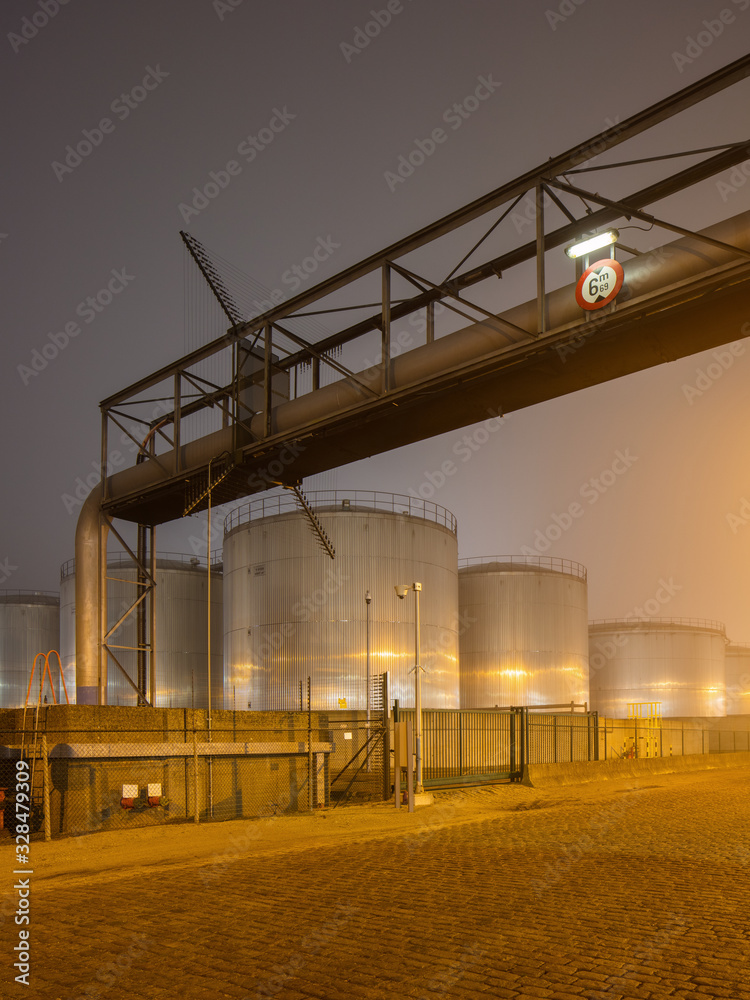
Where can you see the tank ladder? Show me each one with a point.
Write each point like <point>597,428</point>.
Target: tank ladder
<point>312,517</point>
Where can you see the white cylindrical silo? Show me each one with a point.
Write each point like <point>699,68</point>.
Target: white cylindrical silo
<point>292,612</point>
<point>181,630</point>
<point>677,662</point>
<point>29,625</point>
<point>738,678</point>
<point>524,636</point>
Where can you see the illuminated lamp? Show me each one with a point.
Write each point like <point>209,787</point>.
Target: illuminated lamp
<point>588,243</point>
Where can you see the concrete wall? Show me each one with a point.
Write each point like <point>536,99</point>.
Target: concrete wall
<point>580,772</point>
<point>86,793</point>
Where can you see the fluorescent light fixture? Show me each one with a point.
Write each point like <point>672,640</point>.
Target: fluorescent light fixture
<point>589,243</point>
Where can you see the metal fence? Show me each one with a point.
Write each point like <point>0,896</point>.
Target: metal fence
<point>462,745</point>
<point>267,764</point>
<point>619,739</point>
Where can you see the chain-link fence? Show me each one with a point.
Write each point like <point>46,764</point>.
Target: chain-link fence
<point>139,777</point>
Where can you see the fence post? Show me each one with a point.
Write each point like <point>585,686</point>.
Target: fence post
<point>45,792</point>
<point>309,749</point>
<point>461,743</point>
<point>386,740</point>
<point>196,818</point>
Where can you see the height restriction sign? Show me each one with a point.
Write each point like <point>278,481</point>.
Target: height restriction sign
<point>599,284</point>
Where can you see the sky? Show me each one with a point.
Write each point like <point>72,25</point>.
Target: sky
<point>161,97</point>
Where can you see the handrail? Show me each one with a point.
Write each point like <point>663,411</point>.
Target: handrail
<point>555,563</point>
<point>28,593</point>
<point>704,623</point>
<point>120,559</point>
<point>342,501</point>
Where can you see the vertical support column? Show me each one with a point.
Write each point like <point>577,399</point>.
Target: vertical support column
<point>267,378</point>
<point>385,350</point>
<point>316,373</point>
<point>430,317</point>
<point>103,613</point>
<point>177,420</point>
<point>152,615</point>
<point>232,408</point>
<point>140,612</point>
<point>104,454</point>
<point>540,280</point>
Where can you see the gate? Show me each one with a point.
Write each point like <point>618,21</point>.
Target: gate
<point>360,762</point>
<point>471,745</point>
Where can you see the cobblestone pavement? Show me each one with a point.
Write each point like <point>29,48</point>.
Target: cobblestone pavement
<point>617,890</point>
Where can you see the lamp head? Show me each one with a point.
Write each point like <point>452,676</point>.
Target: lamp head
<point>402,590</point>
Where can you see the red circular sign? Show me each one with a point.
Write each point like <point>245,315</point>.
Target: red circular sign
<point>599,284</point>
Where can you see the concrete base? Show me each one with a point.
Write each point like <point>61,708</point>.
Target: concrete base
<point>579,772</point>
<point>423,799</point>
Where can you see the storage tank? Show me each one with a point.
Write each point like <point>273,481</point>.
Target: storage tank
<point>29,624</point>
<point>738,678</point>
<point>181,630</point>
<point>292,612</point>
<point>678,662</point>
<point>524,635</point>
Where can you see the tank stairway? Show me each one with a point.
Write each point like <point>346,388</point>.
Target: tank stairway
<point>196,492</point>
<point>317,527</point>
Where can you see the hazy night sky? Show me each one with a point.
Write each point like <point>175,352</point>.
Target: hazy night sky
<point>216,73</point>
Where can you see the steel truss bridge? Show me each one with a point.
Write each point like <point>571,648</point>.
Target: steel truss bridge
<point>257,429</point>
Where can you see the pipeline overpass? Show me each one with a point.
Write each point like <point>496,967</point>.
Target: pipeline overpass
<point>287,407</point>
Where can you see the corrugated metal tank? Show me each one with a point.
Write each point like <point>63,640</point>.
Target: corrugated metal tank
<point>292,611</point>
<point>181,630</point>
<point>678,662</point>
<point>738,678</point>
<point>524,631</point>
<point>29,624</point>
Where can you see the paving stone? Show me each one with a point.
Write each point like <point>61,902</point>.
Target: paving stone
<point>602,895</point>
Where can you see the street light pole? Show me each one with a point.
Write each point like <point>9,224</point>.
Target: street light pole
<point>418,690</point>
<point>368,600</point>
<point>401,591</point>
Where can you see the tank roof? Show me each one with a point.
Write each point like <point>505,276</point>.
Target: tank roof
<point>341,502</point>
<point>45,598</point>
<point>164,560</point>
<point>521,564</point>
<point>657,625</point>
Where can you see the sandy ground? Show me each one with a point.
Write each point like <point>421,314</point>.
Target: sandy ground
<point>122,853</point>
